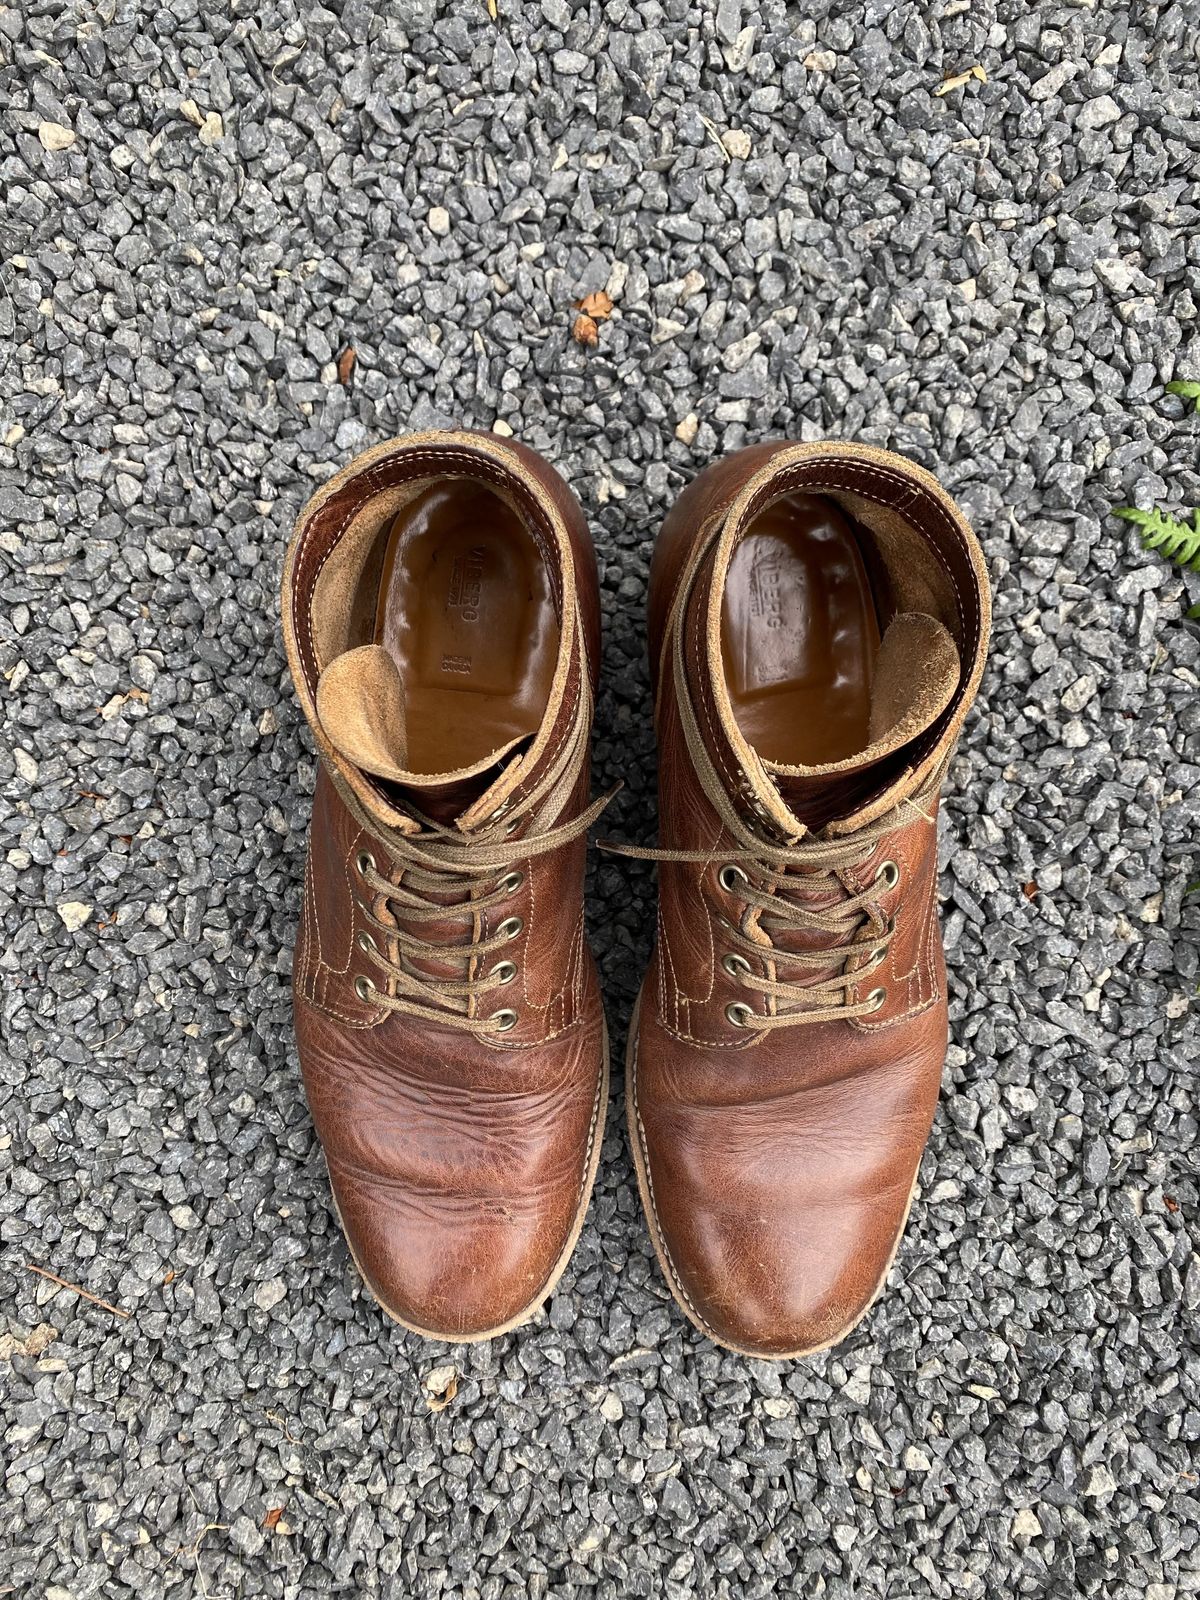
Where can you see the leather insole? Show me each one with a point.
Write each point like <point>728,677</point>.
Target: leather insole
<point>465,610</point>
<point>800,634</point>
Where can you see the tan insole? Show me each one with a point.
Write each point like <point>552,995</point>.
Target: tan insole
<point>800,634</point>
<point>465,610</point>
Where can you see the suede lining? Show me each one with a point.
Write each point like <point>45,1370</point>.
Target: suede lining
<point>916,676</point>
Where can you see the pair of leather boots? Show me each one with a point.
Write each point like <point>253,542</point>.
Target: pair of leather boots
<point>818,620</point>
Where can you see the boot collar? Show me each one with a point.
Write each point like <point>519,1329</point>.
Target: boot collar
<point>371,487</point>
<point>866,790</point>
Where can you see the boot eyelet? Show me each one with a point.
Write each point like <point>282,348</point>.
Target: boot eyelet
<point>888,874</point>
<point>740,1015</point>
<point>736,966</point>
<point>503,1021</point>
<point>876,999</point>
<point>364,989</point>
<point>509,928</point>
<point>730,876</point>
<point>511,882</point>
<point>364,862</point>
<point>504,971</point>
<point>367,943</point>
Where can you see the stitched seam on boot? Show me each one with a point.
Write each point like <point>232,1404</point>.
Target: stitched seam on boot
<point>922,971</point>
<point>325,1005</point>
<point>733,784</point>
<point>529,1044</point>
<point>587,1154</point>
<point>686,1037</point>
<point>664,959</point>
<point>529,937</point>
<point>308,970</point>
<point>322,963</point>
<point>678,998</point>
<point>932,938</point>
<point>577,971</point>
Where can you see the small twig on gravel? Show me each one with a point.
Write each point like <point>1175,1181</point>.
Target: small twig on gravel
<point>281,1424</point>
<point>715,134</point>
<point>194,1551</point>
<point>63,1283</point>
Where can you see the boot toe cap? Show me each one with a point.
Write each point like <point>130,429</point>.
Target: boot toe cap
<point>459,1190</point>
<point>769,1284</point>
<point>777,1213</point>
<point>451,1266</point>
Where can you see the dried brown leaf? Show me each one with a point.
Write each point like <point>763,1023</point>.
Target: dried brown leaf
<point>1029,890</point>
<point>598,306</point>
<point>346,363</point>
<point>271,1520</point>
<point>585,331</point>
<point>441,1385</point>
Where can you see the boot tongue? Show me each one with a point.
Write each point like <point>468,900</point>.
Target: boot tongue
<point>916,676</point>
<point>361,706</point>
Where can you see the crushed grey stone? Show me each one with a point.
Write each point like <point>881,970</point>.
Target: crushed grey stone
<point>802,239</point>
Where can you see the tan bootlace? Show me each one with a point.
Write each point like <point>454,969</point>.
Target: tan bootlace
<point>438,874</point>
<point>817,868</point>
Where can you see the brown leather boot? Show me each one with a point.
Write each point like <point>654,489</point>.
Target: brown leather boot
<point>818,620</point>
<point>440,609</point>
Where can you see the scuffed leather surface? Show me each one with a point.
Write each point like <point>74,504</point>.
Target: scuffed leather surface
<point>781,1174</point>
<point>458,1163</point>
<point>458,1171</point>
<point>780,1164</point>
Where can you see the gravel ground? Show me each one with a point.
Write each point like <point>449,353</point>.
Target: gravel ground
<point>203,207</point>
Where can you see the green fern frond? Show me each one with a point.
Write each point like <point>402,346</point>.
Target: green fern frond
<point>1173,540</point>
<point>1186,390</point>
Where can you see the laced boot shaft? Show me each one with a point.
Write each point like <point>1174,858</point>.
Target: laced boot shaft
<point>439,880</point>
<point>415,894</point>
<point>803,891</point>
<point>771,888</point>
